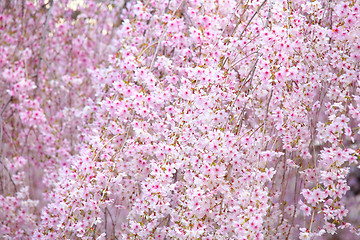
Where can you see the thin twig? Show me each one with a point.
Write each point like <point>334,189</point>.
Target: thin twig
<point>233,65</point>
<point>112,220</point>
<point>44,32</point>
<point>105,223</point>
<point>267,22</point>
<point>248,91</point>
<point>5,106</point>
<point>1,144</point>
<point>222,32</point>
<point>246,26</point>
<point>269,15</point>
<point>162,36</point>
<point>247,79</point>
<point>295,204</point>
<point>267,110</point>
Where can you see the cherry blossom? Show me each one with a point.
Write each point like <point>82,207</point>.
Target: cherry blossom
<point>183,120</point>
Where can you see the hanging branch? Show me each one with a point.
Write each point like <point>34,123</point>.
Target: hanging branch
<point>248,78</point>
<point>43,35</point>
<point>162,37</point>
<point>246,26</point>
<point>1,144</point>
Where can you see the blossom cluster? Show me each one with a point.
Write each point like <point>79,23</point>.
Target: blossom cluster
<point>45,50</point>
<point>190,119</point>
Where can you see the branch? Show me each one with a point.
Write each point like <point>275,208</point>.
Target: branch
<point>247,79</point>
<point>112,221</point>
<point>44,32</point>
<point>217,40</point>
<point>7,4</point>
<point>233,65</point>
<point>257,11</point>
<point>1,127</point>
<point>162,37</point>
<point>267,110</point>
<point>5,106</point>
<point>248,91</point>
<point>1,144</point>
<point>246,26</point>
